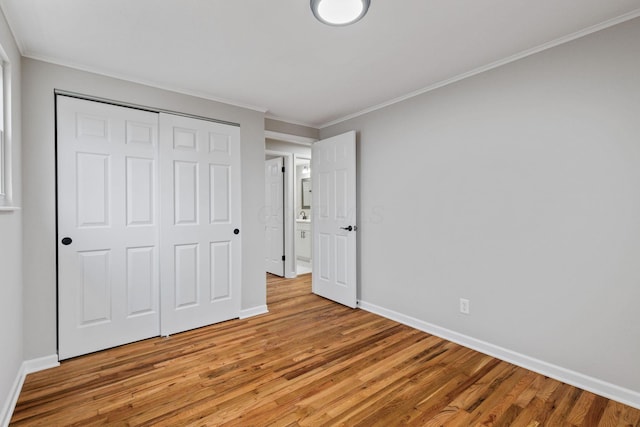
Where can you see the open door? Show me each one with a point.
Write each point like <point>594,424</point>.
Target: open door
<point>333,181</point>
<point>274,216</point>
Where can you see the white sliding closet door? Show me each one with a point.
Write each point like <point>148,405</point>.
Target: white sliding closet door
<point>108,284</point>
<point>148,224</point>
<point>200,241</point>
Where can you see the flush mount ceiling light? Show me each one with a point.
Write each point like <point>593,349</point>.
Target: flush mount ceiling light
<point>339,12</point>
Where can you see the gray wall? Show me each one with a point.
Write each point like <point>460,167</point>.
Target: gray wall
<point>11,355</point>
<point>39,81</point>
<point>518,189</point>
<point>290,128</point>
<point>288,147</point>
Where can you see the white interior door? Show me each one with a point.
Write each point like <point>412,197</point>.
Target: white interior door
<point>333,179</point>
<point>108,284</point>
<point>200,241</point>
<point>274,216</point>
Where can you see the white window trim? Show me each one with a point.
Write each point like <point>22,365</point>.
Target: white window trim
<point>5,175</point>
<point>6,194</point>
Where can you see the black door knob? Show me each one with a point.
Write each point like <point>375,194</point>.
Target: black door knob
<point>66,241</point>
<point>236,231</point>
<point>349,228</point>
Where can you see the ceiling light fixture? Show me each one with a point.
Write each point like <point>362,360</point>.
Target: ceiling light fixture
<point>339,12</point>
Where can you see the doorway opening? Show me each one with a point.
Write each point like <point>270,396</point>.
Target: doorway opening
<point>295,153</point>
<point>304,212</point>
<point>327,207</point>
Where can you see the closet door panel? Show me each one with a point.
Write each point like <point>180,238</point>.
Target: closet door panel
<point>200,252</point>
<point>108,237</point>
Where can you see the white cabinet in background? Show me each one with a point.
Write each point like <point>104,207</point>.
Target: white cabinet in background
<point>303,240</point>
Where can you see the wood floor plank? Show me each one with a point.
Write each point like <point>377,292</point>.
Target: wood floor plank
<point>629,418</point>
<point>611,414</point>
<point>308,362</point>
<point>505,409</point>
<point>594,415</point>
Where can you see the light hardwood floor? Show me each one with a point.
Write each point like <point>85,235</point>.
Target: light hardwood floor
<point>308,362</point>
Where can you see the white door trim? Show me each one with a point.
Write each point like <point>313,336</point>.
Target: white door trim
<point>296,191</point>
<point>294,139</point>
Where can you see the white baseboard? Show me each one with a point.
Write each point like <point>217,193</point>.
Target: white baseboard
<point>41,363</point>
<point>254,311</point>
<point>27,367</point>
<point>12,398</point>
<point>585,382</point>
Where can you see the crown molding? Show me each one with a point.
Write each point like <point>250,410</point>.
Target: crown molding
<point>19,42</point>
<point>176,89</point>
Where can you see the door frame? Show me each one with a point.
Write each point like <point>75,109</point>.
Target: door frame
<point>289,216</point>
<point>296,191</point>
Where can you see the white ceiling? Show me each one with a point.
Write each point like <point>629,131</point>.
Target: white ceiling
<point>273,55</point>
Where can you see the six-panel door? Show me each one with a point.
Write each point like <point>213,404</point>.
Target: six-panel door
<point>200,232</point>
<point>274,216</point>
<point>108,278</point>
<point>333,179</point>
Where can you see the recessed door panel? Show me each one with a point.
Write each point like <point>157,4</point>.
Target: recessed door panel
<point>92,128</point>
<point>341,203</point>
<point>219,194</point>
<point>140,191</point>
<point>220,270</point>
<point>93,189</point>
<point>323,256</point>
<point>341,247</point>
<point>95,296</point>
<point>341,154</point>
<point>219,143</point>
<point>141,280</point>
<point>323,191</point>
<point>186,280</point>
<point>185,139</point>
<point>186,192</point>
<point>140,133</point>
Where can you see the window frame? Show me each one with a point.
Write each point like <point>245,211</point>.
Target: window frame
<point>6,199</point>
<point>3,194</point>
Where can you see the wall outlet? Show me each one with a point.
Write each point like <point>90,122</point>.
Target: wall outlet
<point>464,306</point>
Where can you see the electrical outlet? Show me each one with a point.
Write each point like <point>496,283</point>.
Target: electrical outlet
<point>464,306</point>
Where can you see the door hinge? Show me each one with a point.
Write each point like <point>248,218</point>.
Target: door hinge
<point>283,257</point>
<point>283,169</point>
